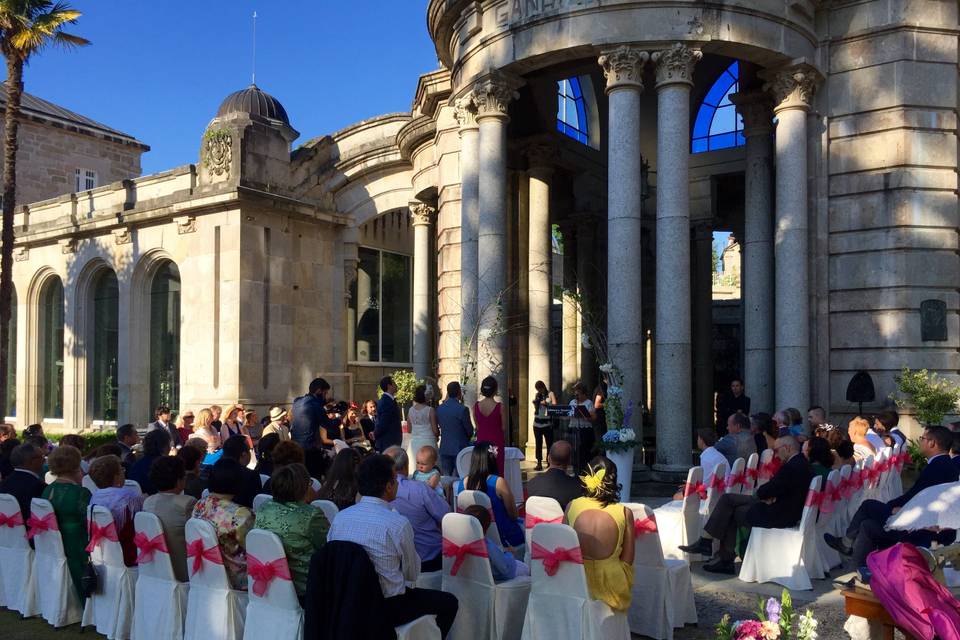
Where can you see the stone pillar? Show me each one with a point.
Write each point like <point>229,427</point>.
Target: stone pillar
<point>674,67</point>
<point>586,286</point>
<point>466,112</point>
<point>793,89</point>
<point>492,96</point>
<point>570,333</point>
<point>702,307</point>
<point>756,277</point>
<point>421,215</point>
<point>539,257</point>
<point>623,70</point>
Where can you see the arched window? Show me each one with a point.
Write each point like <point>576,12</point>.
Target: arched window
<point>105,341</point>
<point>51,349</point>
<point>165,337</point>
<point>12,357</point>
<point>718,125</point>
<point>572,110</point>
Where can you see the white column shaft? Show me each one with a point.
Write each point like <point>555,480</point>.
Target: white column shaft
<point>469,221</point>
<point>421,300</point>
<point>538,283</point>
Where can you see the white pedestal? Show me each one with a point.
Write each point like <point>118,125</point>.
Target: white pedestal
<point>624,462</point>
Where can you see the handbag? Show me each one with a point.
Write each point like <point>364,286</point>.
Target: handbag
<point>89,581</point>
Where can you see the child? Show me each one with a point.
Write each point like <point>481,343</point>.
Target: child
<point>427,470</point>
<point>502,563</point>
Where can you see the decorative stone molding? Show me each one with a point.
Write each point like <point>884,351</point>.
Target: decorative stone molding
<point>122,235</point>
<point>623,67</point>
<point>492,96</point>
<point>676,64</point>
<point>186,224</point>
<point>466,111</point>
<point>421,213</point>
<point>218,151</point>
<point>21,254</point>
<point>67,245</point>
<point>792,87</point>
<point>541,157</point>
<point>756,109</point>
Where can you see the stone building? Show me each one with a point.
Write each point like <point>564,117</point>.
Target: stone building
<point>821,133</point>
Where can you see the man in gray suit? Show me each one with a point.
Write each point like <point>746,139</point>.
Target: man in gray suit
<point>738,443</point>
<point>456,429</point>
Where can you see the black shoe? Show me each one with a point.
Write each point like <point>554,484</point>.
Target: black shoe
<point>539,466</point>
<point>837,544</point>
<point>703,546</point>
<point>720,566</point>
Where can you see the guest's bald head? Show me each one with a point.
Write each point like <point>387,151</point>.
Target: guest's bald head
<point>787,447</point>
<point>559,454</point>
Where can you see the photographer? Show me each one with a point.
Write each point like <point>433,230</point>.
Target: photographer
<point>330,430</point>
<point>310,417</point>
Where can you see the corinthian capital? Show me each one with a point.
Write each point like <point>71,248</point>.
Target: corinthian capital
<point>675,65</point>
<point>421,213</point>
<point>792,87</point>
<point>493,94</point>
<point>756,109</point>
<point>466,111</point>
<point>623,67</point>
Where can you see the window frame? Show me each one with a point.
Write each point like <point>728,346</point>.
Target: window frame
<point>703,138</point>
<point>380,362</point>
<point>88,178</point>
<point>581,132</point>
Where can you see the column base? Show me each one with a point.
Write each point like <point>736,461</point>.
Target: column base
<point>672,473</point>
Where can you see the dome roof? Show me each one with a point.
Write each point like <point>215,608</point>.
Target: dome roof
<point>254,102</point>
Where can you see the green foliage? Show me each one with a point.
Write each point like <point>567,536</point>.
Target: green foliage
<point>931,396</point>
<point>917,458</point>
<point>724,628</point>
<point>406,383</point>
<point>92,440</point>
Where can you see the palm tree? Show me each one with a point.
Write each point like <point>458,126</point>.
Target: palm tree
<point>26,28</point>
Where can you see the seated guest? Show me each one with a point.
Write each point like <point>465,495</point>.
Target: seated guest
<point>816,416</point>
<point>423,508</point>
<point>70,501</point>
<point>173,508</point>
<point>191,458</point>
<point>737,443</point>
<point>388,539</point>
<point>862,447</point>
<point>876,434</point>
<point>163,423</point>
<point>778,504</point>
<point>277,424</point>
<point>866,529</point>
<point>843,455</point>
<point>122,501</point>
<point>127,439</point>
<point>427,470</point>
<point>6,449</point>
<point>890,420</point>
<point>204,427</point>
<point>605,529</point>
<point>796,428</point>
<point>352,430</point>
<point>237,449</point>
<point>80,444</point>
<point>502,563</point>
<point>185,427</point>
<point>554,482</point>
<point>265,453</point>
<point>156,445</point>
<point>820,456</point>
<point>287,452</point>
<point>709,459</point>
<point>7,432</point>
<point>955,450</point>
<point>340,484</point>
<point>301,528</point>
<point>483,477</point>
<point>764,431</point>
<point>231,521</point>
<point>25,482</point>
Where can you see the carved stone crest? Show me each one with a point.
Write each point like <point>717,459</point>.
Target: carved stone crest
<point>492,95</point>
<point>122,235</point>
<point>186,224</point>
<point>67,245</point>
<point>793,87</point>
<point>21,254</point>
<point>421,213</point>
<point>218,152</point>
<point>676,64</point>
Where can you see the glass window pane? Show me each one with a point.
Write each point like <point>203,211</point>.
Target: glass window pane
<point>397,315</point>
<point>368,306</point>
<point>12,357</point>
<point>701,127</point>
<point>165,337</point>
<point>699,145</point>
<point>571,110</point>
<point>103,361</point>
<point>51,350</point>
<point>723,141</point>
<point>724,120</point>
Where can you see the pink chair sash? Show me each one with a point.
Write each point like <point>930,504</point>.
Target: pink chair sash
<point>737,479</point>
<point>529,521</point>
<point>40,525</point>
<point>196,551</point>
<point>814,499</point>
<point>831,496</point>
<point>699,488</point>
<point>751,474</point>
<point>147,547</point>
<point>263,573</point>
<point>718,483</point>
<point>460,552</point>
<point>98,534</point>
<point>769,469</point>
<point>11,520</point>
<point>552,559</point>
<point>872,475</point>
<point>645,525</point>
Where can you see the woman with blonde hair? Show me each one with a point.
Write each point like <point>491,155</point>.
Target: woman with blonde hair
<point>857,430</point>
<point>231,423</point>
<point>203,428</point>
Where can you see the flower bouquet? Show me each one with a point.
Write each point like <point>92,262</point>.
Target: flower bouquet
<point>775,620</point>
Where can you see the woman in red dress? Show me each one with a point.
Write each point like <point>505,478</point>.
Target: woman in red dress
<point>491,419</point>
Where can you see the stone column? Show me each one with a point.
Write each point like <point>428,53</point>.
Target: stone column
<point>702,307</point>
<point>757,271</point>
<point>539,256</point>
<point>793,89</point>
<point>586,283</point>
<point>570,334</point>
<point>674,67</point>
<point>421,215</point>
<point>466,112</point>
<point>623,70</point>
<point>492,96</point>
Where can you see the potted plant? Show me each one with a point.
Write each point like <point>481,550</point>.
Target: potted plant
<point>620,440</point>
<point>774,620</point>
<point>931,397</point>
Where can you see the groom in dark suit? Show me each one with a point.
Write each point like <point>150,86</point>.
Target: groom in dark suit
<point>387,433</point>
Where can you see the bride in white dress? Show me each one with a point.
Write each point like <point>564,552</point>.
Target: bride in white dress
<point>423,423</point>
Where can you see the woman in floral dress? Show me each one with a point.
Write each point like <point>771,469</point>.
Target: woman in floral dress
<point>231,521</point>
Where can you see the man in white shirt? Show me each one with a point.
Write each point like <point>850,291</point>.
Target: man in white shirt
<point>387,537</point>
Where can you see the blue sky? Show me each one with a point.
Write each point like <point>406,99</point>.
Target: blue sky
<point>158,70</point>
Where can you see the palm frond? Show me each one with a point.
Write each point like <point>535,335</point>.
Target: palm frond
<point>39,26</point>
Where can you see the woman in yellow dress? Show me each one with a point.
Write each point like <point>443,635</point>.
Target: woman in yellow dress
<point>605,529</point>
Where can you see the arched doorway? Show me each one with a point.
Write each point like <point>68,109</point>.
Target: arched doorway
<point>50,352</point>
<point>165,336</point>
<point>104,340</point>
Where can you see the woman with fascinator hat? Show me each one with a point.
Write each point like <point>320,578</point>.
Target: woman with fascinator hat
<point>605,529</point>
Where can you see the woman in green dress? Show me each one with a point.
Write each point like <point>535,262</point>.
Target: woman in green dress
<point>70,501</point>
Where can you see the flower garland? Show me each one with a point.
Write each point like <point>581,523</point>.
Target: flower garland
<point>619,435</point>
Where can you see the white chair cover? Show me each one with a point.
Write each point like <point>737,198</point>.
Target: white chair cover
<point>560,606</point>
<point>463,461</point>
<point>828,556</point>
<point>662,589</point>
<point>88,484</point>
<point>896,482</point>
<point>56,598</point>
<point>841,511</point>
<point>539,508</point>
<point>737,478</point>
<point>49,478</point>
<point>329,509</point>
<point>161,601</point>
<point>263,479</point>
<point>784,555</point>
<point>111,609</point>
<point>430,580</point>
<point>16,562</point>
<point>467,498</point>
<point>512,457</point>
<point>259,499</point>
<point>865,492</point>
<point>133,484</point>
<point>214,610</point>
<point>315,484</point>
<point>423,628</point>
<point>277,613</point>
<point>715,489</point>
<point>750,484</point>
<point>488,611</point>
<point>765,459</point>
<point>678,521</point>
